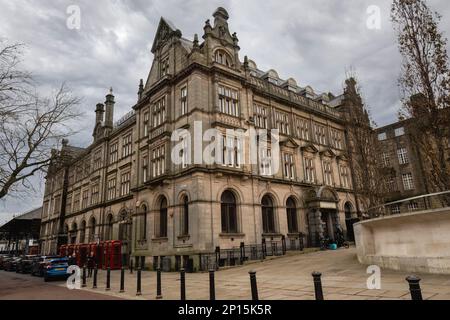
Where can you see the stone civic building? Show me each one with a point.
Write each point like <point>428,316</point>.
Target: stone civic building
<point>124,186</point>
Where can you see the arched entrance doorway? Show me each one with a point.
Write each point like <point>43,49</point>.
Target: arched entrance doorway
<point>125,236</point>
<point>350,221</point>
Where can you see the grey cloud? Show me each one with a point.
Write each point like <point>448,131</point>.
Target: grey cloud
<point>311,41</point>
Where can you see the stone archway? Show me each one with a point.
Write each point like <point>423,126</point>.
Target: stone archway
<point>323,215</point>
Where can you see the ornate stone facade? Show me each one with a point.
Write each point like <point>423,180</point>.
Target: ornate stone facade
<point>125,187</point>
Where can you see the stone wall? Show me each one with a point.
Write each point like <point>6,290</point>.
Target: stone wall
<point>412,242</point>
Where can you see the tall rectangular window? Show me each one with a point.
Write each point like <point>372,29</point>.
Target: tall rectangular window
<point>232,151</point>
<point>321,137</point>
<point>184,102</point>
<point>125,181</point>
<point>146,123</point>
<point>145,168</point>
<point>127,146</point>
<point>265,166</point>
<point>97,159</point>
<point>310,173</point>
<point>95,194</point>
<point>228,101</point>
<point>114,153</point>
<point>336,139</point>
<point>345,178</point>
<point>69,203</point>
<point>402,156</point>
<point>408,182</point>
<point>328,173</point>
<point>85,199</point>
<point>159,112</point>
<point>282,122</point>
<point>158,161</point>
<point>382,136</point>
<point>112,188</point>
<point>302,128</point>
<point>57,206</point>
<point>261,117</point>
<point>289,166</point>
<point>76,202</point>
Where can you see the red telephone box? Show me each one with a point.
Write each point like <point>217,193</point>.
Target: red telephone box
<point>112,254</point>
<point>70,250</point>
<point>63,250</point>
<point>116,255</point>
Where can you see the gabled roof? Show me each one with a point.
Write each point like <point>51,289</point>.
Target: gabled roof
<point>165,29</point>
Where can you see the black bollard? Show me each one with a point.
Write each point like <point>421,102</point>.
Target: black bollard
<point>83,285</point>
<point>131,266</point>
<point>122,280</point>
<point>138,285</point>
<point>212,287</point>
<point>241,253</point>
<point>318,285</point>
<point>158,283</point>
<point>94,284</point>
<point>108,279</point>
<point>414,287</point>
<point>253,285</point>
<point>182,284</point>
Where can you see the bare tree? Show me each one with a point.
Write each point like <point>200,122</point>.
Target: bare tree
<point>367,175</point>
<point>425,82</point>
<point>30,125</point>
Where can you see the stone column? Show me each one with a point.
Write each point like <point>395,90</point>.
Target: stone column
<point>315,226</point>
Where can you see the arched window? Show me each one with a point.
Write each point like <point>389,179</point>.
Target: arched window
<point>163,218</point>
<point>73,233</point>
<point>223,58</point>
<point>228,212</point>
<point>83,232</point>
<point>268,215</point>
<point>348,210</point>
<point>291,211</point>
<point>92,227</point>
<point>143,224</point>
<point>123,226</point>
<point>109,227</point>
<point>185,222</point>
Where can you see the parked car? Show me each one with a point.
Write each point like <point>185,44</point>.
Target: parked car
<point>3,260</point>
<point>24,266</point>
<point>11,264</point>
<point>39,263</point>
<point>56,269</point>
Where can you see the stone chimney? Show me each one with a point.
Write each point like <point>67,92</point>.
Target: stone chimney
<point>109,114</point>
<point>99,113</point>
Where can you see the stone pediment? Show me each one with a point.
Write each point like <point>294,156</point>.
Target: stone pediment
<point>342,157</point>
<point>164,32</point>
<point>327,153</point>
<point>289,143</point>
<point>311,148</point>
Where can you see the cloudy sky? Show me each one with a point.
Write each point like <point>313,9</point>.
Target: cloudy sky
<point>314,41</point>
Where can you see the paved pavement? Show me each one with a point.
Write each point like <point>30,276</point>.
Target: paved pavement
<point>285,278</point>
<point>14,286</point>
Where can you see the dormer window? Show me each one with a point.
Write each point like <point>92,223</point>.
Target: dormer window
<point>223,58</point>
